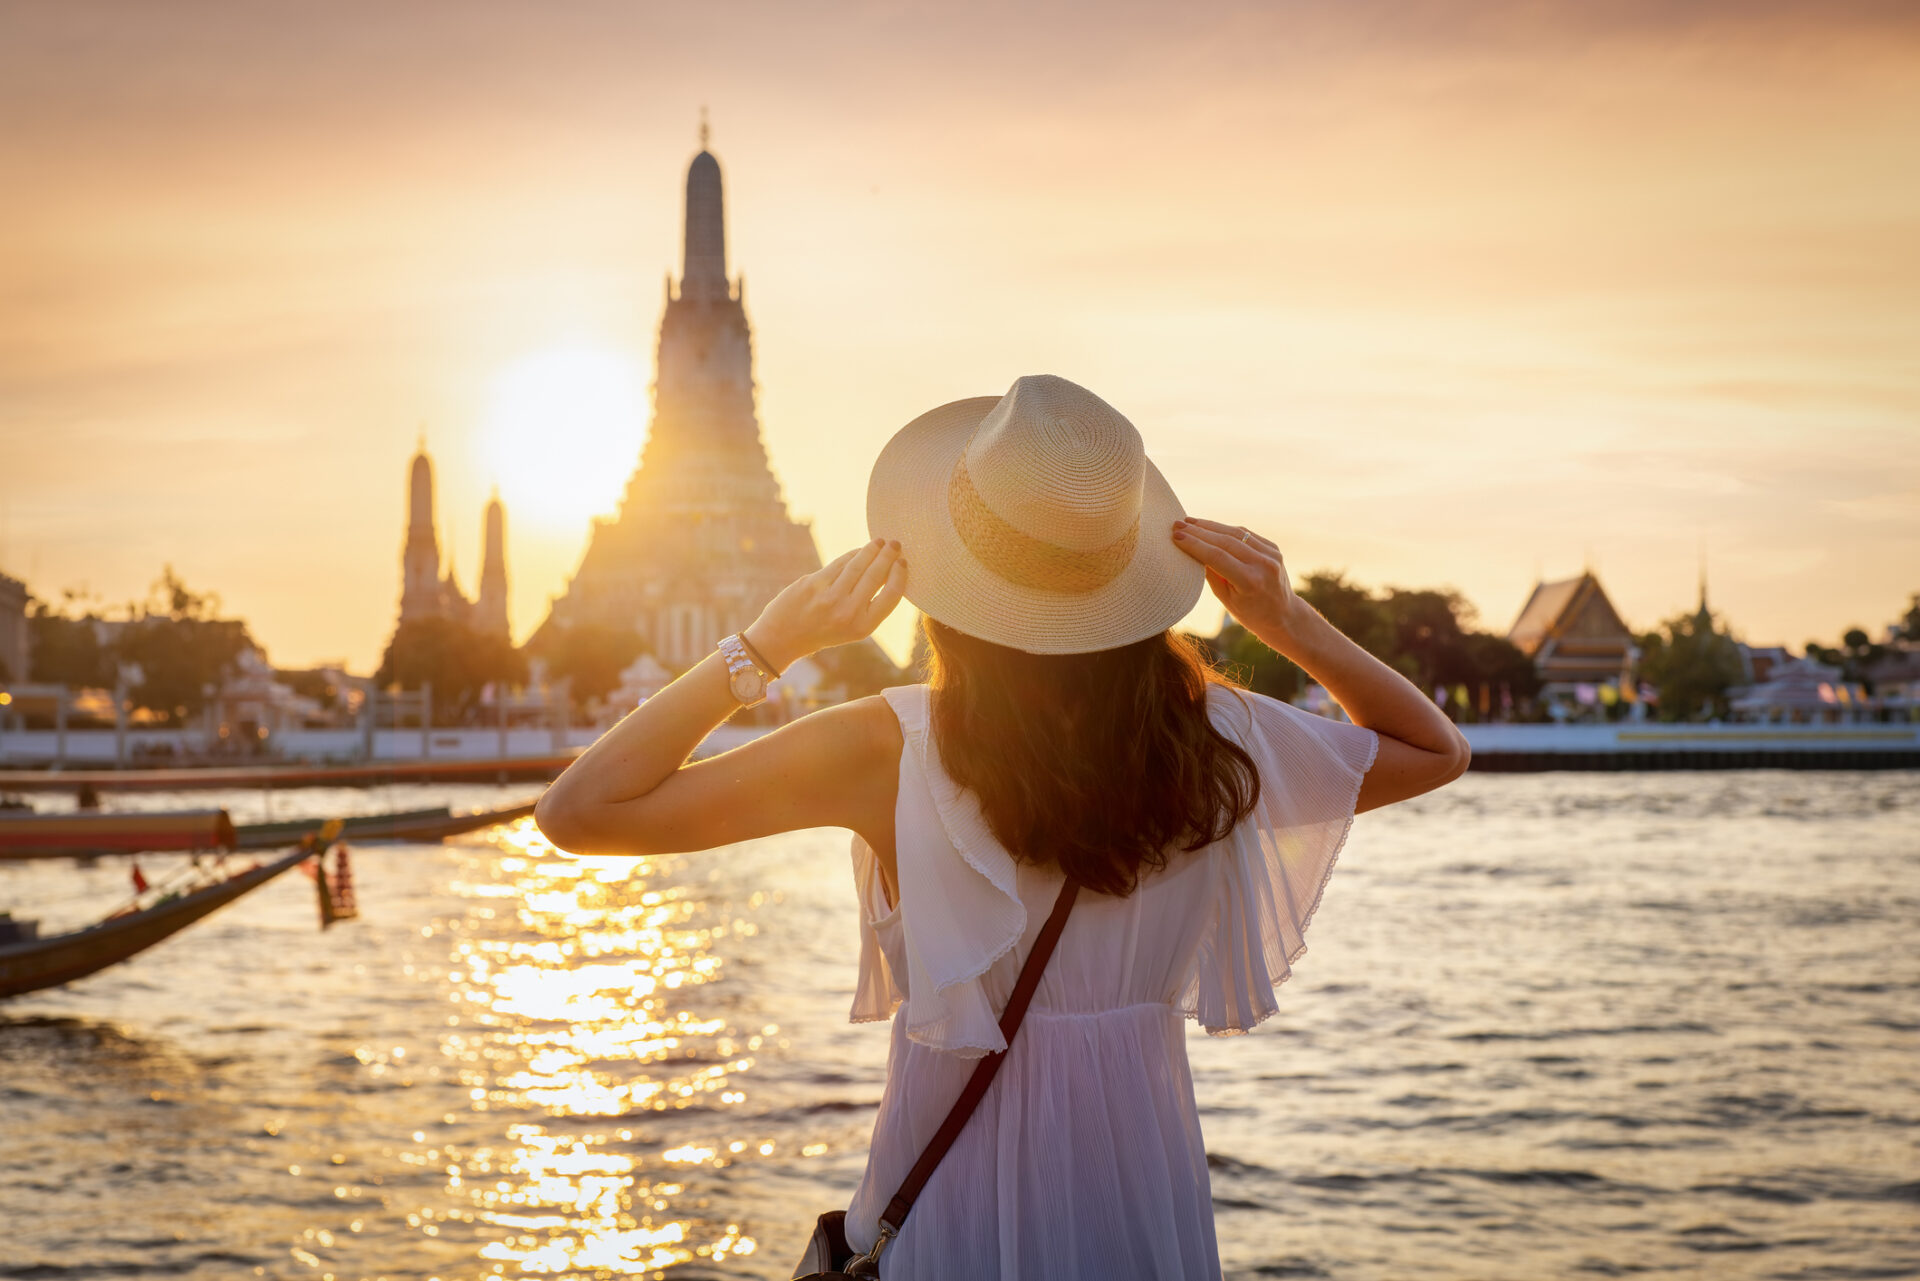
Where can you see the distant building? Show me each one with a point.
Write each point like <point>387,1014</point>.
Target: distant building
<point>1895,677</point>
<point>254,701</point>
<point>703,539</point>
<point>1799,691</point>
<point>1575,638</point>
<point>13,630</point>
<point>1759,662</point>
<point>424,591</point>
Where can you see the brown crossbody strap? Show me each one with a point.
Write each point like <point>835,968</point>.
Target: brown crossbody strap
<point>983,1072</point>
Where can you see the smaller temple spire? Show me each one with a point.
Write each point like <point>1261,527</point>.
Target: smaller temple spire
<point>704,131</point>
<point>420,556</point>
<point>1703,612</point>
<point>490,605</point>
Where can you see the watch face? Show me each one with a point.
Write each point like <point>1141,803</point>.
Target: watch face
<point>749,686</point>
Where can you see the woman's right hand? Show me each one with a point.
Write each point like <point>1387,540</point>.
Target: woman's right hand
<point>841,602</point>
<point>1419,748</point>
<point>1247,573</point>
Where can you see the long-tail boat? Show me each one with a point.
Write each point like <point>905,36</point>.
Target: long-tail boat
<point>423,826</point>
<point>30,963</point>
<point>87,833</point>
<point>482,769</point>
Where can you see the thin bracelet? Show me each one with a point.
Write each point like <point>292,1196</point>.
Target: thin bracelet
<point>756,655</point>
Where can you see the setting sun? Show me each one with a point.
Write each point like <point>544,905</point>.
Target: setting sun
<point>561,432</point>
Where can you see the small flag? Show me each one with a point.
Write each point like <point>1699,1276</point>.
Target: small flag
<point>139,878</point>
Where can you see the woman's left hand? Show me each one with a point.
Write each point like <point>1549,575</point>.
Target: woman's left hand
<point>841,602</point>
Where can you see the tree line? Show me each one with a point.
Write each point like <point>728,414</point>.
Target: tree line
<point>1426,635</point>
<point>173,651</point>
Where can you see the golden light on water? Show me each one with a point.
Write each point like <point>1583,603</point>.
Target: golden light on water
<point>579,1029</point>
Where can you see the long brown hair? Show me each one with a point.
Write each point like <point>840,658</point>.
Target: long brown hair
<point>1101,764</point>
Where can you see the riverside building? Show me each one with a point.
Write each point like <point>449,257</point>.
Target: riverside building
<point>703,538</point>
<point>1575,638</point>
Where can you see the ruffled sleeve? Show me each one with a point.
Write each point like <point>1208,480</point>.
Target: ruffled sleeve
<point>959,905</point>
<point>877,993</point>
<point>1276,864</point>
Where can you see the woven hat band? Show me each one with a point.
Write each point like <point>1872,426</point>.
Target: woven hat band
<point>1027,561</point>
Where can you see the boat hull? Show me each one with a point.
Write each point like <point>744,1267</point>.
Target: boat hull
<point>62,958</point>
<point>85,833</point>
<point>412,826</point>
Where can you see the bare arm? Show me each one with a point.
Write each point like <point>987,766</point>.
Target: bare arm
<point>632,792</point>
<point>1420,749</point>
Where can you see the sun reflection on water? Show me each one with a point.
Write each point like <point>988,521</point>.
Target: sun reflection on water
<point>582,1026</point>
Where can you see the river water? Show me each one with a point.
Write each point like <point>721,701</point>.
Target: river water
<point>1550,1025</point>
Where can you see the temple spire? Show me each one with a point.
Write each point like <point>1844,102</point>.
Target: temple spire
<point>420,557</point>
<point>703,276</point>
<point>490,605</point>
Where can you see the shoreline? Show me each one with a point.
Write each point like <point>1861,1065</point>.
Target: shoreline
<point>454,756</point>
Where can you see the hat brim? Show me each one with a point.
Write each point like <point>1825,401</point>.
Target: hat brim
<point>907,501</point>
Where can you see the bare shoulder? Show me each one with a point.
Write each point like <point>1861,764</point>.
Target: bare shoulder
<point>852,753</point>
<point>848,738</point>
<point>865,728</point>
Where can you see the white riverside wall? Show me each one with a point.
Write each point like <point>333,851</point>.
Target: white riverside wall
<point>1641,736</point>
<point>97,747</point>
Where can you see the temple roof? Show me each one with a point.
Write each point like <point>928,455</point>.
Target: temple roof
<point>1565,606</point>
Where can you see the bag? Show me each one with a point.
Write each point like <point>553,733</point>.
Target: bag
<point>828,1257</point>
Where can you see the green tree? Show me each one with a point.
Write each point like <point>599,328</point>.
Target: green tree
<point>1247,659</point>
<point>180,648</point>
<point>862,667</point>
<point>65,649</point>
<point>1422,633</point>
<point>1353,609</point>
<point>1428,642</point>
<point>1855,654</point>
<point>454,658</point>
<point>590,655</point>
<point>1692,663</point>
<point>1496,661</point>
<point>1908,624</point>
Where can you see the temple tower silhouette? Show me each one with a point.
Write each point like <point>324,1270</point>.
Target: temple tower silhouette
<point>420,558</point>
<point>426,591</point>
<point>703,538</point>
<point>490,608</point>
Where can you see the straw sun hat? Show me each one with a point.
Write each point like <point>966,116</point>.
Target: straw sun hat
<point>1034,521</point>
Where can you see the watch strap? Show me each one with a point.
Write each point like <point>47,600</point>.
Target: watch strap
<point>771,672</point>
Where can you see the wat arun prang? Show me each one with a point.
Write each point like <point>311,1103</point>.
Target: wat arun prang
<point>703,539</point>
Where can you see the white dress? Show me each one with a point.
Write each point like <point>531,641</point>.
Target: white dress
<point>1085,1159</point>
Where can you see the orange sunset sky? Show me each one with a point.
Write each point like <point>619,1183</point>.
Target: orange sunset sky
<point>1437,293</point>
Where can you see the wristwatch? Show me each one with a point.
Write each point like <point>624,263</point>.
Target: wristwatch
<point>746,677</point>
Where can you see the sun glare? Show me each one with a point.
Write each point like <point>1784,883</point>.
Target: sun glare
<point>562,432</point>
